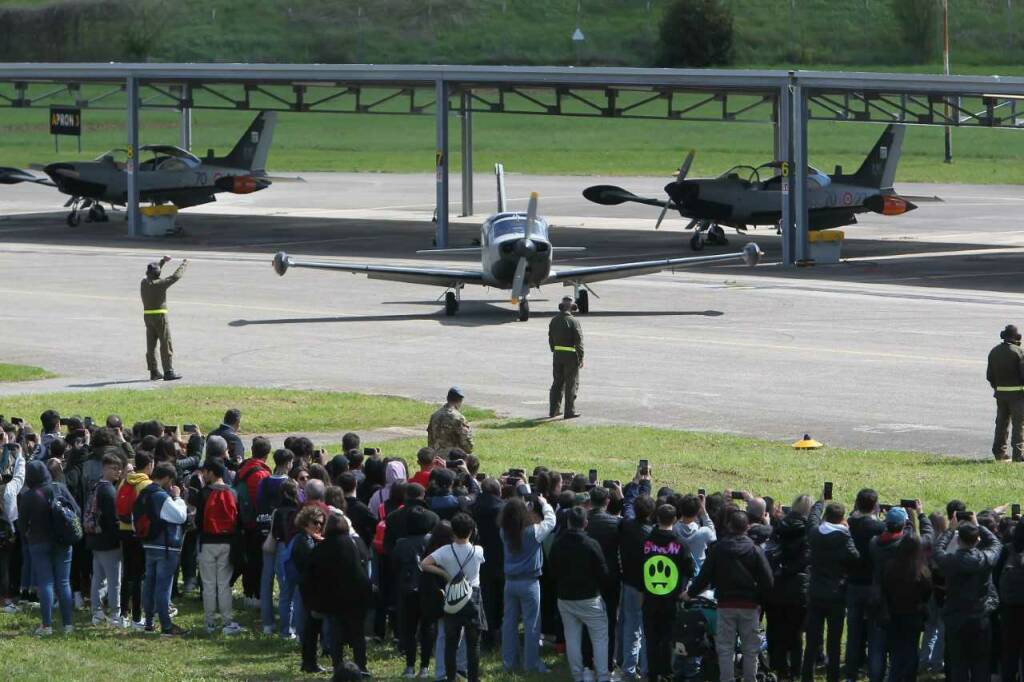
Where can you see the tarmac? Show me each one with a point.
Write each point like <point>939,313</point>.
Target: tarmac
<point>886,350</point>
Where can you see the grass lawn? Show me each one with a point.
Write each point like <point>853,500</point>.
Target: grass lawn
<point>11,373</point>
<point>263,410</point>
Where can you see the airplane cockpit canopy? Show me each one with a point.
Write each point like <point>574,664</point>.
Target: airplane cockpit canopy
<point>515,223</point>
<point>168,158</point>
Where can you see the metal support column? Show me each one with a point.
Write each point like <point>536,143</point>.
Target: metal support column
<point>798,173</point>
<point>467,153</point>
<point>784,153</point>
<point>441,163</point>
<point>132,203</point>
<point>186,128</point>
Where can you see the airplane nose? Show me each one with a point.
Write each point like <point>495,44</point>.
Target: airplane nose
<point>525,248</point>
<point>683,193</point>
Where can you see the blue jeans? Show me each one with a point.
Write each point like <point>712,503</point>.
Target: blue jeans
<point>161,565</point>
<point>934,640</point>
<point>288,594</point>
<point>267,590</point>
<point>51,566</point>
<point>856,628</point>
<point>522,598</point>
<point>461,661</point>
<point>631,620</point>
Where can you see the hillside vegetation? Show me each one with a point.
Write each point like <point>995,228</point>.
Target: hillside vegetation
<point>619,32</point>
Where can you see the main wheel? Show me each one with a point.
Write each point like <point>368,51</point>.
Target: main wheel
<point>697,241</point>
<point>716,236</point>
<point>73,219</point>
<point>583,302</point>
<point>524,310</point>
<point>451,304</point>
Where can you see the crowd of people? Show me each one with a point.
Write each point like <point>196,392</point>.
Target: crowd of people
<point>443,561</point>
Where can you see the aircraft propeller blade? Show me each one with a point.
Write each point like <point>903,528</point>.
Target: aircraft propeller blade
<point>519,280</point>
<point>684,170</point>
<point>531,214</point>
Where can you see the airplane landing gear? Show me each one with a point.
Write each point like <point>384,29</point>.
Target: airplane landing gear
<point>708,233</point>
<point>451,303</point>
<point>524,310</point>
<point>73,218</point>
<point>697,241</point>
<point>583,302</point>
<point>97,214</point>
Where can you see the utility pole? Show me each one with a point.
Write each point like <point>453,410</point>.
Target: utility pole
<point>945,66</point>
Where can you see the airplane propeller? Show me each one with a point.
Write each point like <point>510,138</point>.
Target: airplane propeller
<point>525,248</point>
<point>684,169</point>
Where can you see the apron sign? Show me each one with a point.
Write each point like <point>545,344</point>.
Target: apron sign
<point>65,121</point>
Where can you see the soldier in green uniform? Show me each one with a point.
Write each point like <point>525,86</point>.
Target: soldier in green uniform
<point>154,304</point>
<point>565,337</point>
<point>1006,376</point>
<point>448,428</point>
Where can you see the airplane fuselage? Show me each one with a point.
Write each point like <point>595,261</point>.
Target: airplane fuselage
<point>503,242</point>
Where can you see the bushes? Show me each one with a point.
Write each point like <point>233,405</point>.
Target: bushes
<point>918,21</point>
<point>696,33</point>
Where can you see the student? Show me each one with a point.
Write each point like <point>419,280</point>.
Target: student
<point>103,538</point>
<point>217,522</point>
<point>133,556</point>
<point>164,511</point>
<point>268,498</point>
<point>310,521</point>
<point>461,558</point>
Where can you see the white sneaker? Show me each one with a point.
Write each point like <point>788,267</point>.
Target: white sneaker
<point>117,622</point>
<point>68,629</point>
<point>409,673</point>
<point>43,631</point>
<point>137,624</point>
<point>173,611</point>
<point>79,602</point>
<point>10,608</point>
<point>588,675</point>
<point>232,628</point>
<point>424,673</point>
<point>99,619</point>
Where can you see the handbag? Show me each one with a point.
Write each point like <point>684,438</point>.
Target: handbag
<point>270,543</point>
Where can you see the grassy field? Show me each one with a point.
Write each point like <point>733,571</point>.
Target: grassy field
<point>263,410</point>
<point>11,373</point>
<point>525,144</point>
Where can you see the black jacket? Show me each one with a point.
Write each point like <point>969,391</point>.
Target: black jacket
<point>34,519</point>
<point>661,584</point>
<point>604,528</point>
<point>1009,576</point>
<point>970,593</point>
<point>236,448</point>
<point>883,547</point>
<point>337,582</point>
<point>789,555</point>
<point>363,520</point>
<point>106,504</point>
<point>302,555</point>
<point>413,515</point>
<point>485,512</point>
<point>577,563</point>
<point>405,562</point>
<point>632,534</point>
<point>833,553</point>
<point>737,569</point>
<point>863,528</point>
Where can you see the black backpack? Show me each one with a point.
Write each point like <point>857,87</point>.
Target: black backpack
<point>690,632</point>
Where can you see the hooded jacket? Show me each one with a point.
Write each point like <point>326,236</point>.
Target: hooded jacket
<point>395,473</point>
<point>139,481</point>
<point>789,553</point>
<point>632,534</point>
<point>166,518</point>
<point>863,527</point>
<point>970,593</point>
<point>409,552</point>
<point>738,571</point>
<point>833,552</point>
<point>578,566</point>
<point>400,520</point>
<point>337,582</point>
<point>604,528</point>
<point>883,547</point>
<point>486,511</point>
<point>253,471</point>
<point>34,518</point>
<point>1009,570</point>
<point>663,583</point>
<point>697,536</point>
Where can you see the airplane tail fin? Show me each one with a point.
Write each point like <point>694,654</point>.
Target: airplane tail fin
<point>499,174</point>
<point>879,168</point>
<point>252,148</point>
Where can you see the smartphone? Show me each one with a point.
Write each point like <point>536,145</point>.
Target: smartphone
<point>737,495</point>
<point>454,463</point>
<point>908,504</point>
<point>1015,511</point>
<point>532,480</point>
<point>826,493</point>
<point>644,467</point>
<point>701,492</point>
<point>63,421</point>
<point>592,477</point>
<point>480,478</point>
<point>189,428</point>
<point>786,510</point>
<point>884,507</point>
<point>518,473</point>
<point>171,430</point>
<point>567,477</point>
<point>610,485</point>
<point>17,421</point>
<point>963,516</point>
<point>88,422</point>
<point>371,452</point>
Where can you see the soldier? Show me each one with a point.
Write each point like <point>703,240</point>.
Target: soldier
<point>1006,376</point>
<point>565,336</point>
<point>154,303</point>
<point>448,428</point>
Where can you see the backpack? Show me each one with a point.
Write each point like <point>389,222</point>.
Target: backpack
<point>458,593</point>
<point>65,525</point>
<point>246,505</point>
<point>381,530</point>
<point>91,513</point>
<point>291,571</point>
<point>690,632</point>
<point>220,511</point>
<point>141,518</point>
<point>124,505</point>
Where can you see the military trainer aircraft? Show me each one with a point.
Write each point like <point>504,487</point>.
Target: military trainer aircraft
<point>169,175</point>
<point>742,198</point>
<point>515,254</point>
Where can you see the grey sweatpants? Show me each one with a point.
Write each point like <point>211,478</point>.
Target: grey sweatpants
<point>106,566</point>
<point>588,613</point>
<point>733,622</point>
<point>215,571</point>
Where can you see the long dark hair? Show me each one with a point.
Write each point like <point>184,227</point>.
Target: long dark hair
<point>290,492</point>
<point>514,518</point>
<point>441,536</point>
<point>908,564</point>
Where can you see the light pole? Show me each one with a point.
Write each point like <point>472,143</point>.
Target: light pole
<point>945,66</point>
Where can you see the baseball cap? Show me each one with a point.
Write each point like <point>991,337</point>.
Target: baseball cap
<point>897,516</point>
<point>1010,332</point>
<point>455,392</point>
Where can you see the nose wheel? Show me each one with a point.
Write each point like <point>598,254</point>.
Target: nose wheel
<point>583,302</point>
<point>708,233</point>
<point>451,303</point>
<point>524,310</point>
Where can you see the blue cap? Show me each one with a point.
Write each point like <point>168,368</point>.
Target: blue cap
<point>455,392</point>
<point>897,516</point>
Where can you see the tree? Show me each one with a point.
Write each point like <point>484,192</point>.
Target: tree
<point>918,21</point>
<point>696,33</point>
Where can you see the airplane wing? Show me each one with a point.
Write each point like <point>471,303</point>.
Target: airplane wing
<point>14,176</point>
<point>395,273</point>
<point>610,195</point>
<point>750,255</point>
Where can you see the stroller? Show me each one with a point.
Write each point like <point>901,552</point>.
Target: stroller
<point>693,635</point>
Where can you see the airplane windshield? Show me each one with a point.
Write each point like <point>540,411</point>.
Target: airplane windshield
<point>516,224</point>
<point>119,156</point>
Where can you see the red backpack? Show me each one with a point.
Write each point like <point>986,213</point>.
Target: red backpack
<point>124,505</point>
<point>382,528</point>
<point>220,510</point>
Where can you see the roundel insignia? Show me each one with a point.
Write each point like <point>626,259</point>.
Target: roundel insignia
<point>660,575</point>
